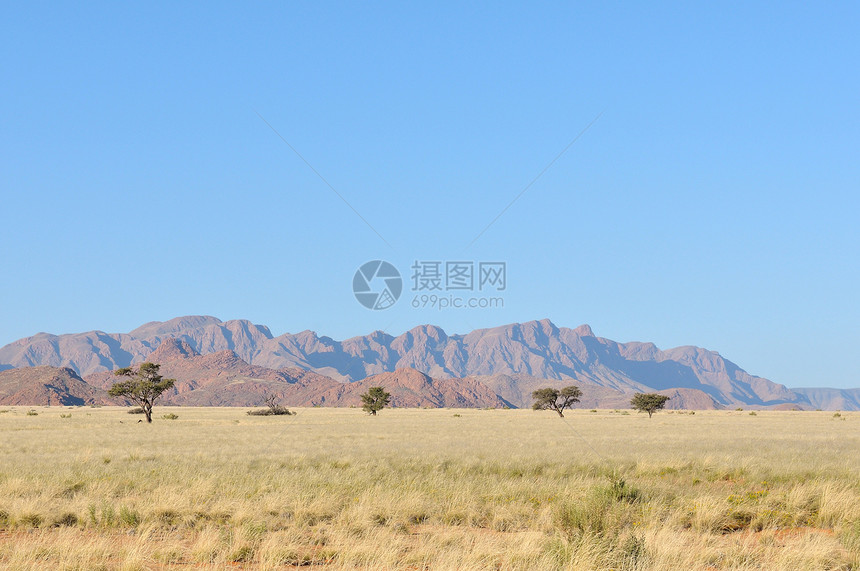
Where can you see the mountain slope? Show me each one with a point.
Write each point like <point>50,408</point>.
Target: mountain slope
<point>48,386</point>
<point>536,349</point>
<point>224,379</point>
<point>412,388</point>
<point>517,389</point>
<point>830,399</point>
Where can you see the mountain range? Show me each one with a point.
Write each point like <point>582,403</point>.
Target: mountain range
<point>234,362</point>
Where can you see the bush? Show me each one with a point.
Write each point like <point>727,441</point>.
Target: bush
<point>619,491</point>
<point>274,408</point>
<point>170,416</point>
<point>277,411</point>
<point>242,555</point>
<point>129,517</point>
<point>66,520</point>
<point>32,413</point>
<point>135,410</point>
<point>30,520</point>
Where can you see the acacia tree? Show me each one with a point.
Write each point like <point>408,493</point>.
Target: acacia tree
<point>375,400</point>
<point>557,400</point>
<point>648,402</point>
<point>144,386</point>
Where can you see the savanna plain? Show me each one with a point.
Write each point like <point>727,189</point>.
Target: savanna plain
<point>441,489</point>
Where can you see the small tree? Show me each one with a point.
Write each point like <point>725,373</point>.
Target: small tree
<point>648,402</point>
<point>144,386</point>
<point>375,399</point>
<point>557,400</point>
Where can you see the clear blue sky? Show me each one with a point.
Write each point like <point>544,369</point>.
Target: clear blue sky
<point>714,202</point>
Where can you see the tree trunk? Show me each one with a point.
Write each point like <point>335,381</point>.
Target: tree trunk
<point>373,412</point>
<point>561,414</point>
<point>650,412</point>
<point>147,411</point>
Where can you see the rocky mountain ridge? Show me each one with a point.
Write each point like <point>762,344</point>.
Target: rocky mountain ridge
<point>534,350</point>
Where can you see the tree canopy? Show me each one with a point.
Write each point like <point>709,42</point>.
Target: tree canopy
<point>375,399</point>
<point>648,402</point>
<point>555,399</point>
<point>144,386</point>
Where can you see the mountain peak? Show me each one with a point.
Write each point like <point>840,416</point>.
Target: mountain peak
<point>584,330</point>
<point>171,349</point>
<point>175,325</point>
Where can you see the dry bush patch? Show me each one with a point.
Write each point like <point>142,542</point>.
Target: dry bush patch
<point>420,489</point>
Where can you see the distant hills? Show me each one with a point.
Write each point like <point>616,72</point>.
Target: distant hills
<point>236,362</point>
<point>48,386</point>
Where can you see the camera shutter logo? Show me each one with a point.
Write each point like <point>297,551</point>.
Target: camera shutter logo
<point>377,285</point>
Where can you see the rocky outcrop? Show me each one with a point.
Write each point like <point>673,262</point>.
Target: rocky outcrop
<point>51,386</point>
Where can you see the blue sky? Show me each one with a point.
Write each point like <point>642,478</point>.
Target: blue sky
<point>714,202</point>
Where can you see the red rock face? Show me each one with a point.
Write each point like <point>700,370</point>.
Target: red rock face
<point>536,350</point>
<point>223,379</point>
<point>412,388</point>
<point>48,386</point>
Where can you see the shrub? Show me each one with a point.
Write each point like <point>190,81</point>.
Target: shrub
<point>129,517</point>
<point>72,490</point>
<point>170,416</point>
<point>66,520</point>
<point>135,410</point>
<point>274,408</point>
<point>32,413</point>
<point>66,415</point>
<point>169,517</point>
<point>619,491</point>
<point>279,411</point>
<point>30,520</point>
<point>244,554</point>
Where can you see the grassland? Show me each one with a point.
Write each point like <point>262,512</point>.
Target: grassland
<point>429,489</point>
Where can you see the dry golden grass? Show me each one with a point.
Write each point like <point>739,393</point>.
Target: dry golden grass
<point>429,489</point>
